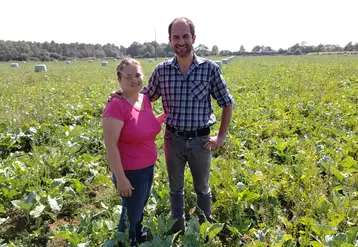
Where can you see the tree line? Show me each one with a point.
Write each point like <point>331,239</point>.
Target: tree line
<point>47,51</point>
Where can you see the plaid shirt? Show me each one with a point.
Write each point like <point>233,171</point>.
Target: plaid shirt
<point>186,99</point>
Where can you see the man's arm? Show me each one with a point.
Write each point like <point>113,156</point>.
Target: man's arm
<point>221,94</point>
<point>152,90</point>
<point>225,122</point>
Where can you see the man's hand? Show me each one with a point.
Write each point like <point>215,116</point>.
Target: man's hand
<point>115,94</point>
<point>214,142</point>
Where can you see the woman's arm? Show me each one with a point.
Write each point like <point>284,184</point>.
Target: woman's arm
<point>160,118</point>
<point>112,129</point>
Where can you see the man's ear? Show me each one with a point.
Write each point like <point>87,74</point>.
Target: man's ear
<point>194,37</point>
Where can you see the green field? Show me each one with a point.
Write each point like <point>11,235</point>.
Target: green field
<point>287,175</point>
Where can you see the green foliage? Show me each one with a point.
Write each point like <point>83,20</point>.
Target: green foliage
<point>287,175</point>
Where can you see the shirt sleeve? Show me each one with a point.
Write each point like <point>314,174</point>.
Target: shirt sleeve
<point>219,89</point>
<point>115,109</point>
<point>152,90</point>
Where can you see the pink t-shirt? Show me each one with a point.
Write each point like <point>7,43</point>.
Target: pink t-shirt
<point>136,143</point>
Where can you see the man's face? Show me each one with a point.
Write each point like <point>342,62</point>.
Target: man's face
<point>181,39</point>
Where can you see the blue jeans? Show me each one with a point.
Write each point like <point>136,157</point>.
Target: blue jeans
<point>133,206</point>
<point>178,152</point>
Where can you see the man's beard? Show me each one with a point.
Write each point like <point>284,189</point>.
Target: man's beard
<point>183,51</point>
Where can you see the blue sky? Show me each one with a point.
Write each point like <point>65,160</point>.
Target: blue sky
<point>226,23</point>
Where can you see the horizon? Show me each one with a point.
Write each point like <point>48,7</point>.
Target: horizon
<point>272,23</point>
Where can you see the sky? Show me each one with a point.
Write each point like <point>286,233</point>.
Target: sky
<point>225,23</point>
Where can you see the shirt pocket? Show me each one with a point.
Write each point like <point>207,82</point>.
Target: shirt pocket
<point>199,89</point>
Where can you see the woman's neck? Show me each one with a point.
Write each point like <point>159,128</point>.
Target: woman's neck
<point>131,97</point>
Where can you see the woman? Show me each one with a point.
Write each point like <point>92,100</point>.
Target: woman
<point>130,128</point>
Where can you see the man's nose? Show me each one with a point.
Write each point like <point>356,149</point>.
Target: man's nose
<point>181,41</point>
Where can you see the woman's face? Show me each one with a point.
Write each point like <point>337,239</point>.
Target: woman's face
<point>131,79</point>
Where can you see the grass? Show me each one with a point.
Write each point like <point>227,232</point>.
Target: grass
<point>287,175</point>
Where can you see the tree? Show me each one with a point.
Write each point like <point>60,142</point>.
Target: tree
<point>202,50</point>
<point>349,47</point>
<point>242,49</point>
<point>256,49</point>
<point>135,49</point>
<point>215,50</point>
<point>225,53</point>
<point>297,52</point>
<point>281,51</point>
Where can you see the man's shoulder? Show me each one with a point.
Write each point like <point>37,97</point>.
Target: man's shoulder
<point>206,62</point>
<point>165,63</point>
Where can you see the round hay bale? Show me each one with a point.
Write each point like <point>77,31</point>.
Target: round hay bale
<point>14,65</point>
<point>224,61</point>
<point>104,63</point>
<point>150,60</point>
<point>90,61</point>
<point>219,63</point>
<point>68,62</point>
<point>23,61</point>
<point>40,67</point>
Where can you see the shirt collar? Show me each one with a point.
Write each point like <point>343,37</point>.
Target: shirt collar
<point>197,61</point>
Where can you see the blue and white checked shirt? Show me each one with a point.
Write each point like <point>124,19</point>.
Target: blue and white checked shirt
<point>186,99</point>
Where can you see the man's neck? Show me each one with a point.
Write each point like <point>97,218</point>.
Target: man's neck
<point>185,61</point>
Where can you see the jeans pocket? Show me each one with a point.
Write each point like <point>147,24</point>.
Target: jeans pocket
<point>201,141</point>
<point>168,135</point>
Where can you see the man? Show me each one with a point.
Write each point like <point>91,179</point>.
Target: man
<point>185,84</point>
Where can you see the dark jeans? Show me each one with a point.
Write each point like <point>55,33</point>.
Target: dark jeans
<point>178,151</point>
<point>133,206</point>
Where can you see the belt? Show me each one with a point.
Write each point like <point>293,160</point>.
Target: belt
<point>189,134</point>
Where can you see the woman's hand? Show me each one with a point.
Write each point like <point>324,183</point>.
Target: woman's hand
<point>124,187</point>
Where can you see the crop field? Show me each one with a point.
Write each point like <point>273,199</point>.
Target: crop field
<point>286,176</point>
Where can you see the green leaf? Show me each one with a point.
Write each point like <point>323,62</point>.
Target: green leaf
<point>337,174</point>
<point>233,230</point>
<point>74,238</point>
<point>110,225</point>
<point>316,244</point>
<point>323,230</point>
<point>204,227</point>
<point>21,205</point>
<point>287,237</point>
<point>55,207</point>
<point>109,243</point>
<point>31,198</point>
<point>248,196</point>
<point>83,244</point>
<point>37,211</point>
<point>215,229</point>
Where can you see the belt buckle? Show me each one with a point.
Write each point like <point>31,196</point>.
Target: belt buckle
<point>190,137</point>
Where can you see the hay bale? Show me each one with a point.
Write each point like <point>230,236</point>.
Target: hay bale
<point>90,61</point>
<point>23,61</point>
<point>68,62</point>
<point>219,63</point>
<point>14,65</point>
<point>40,67</point>
<point>104,63</point>
<point>150,60</point>
<point>224,61</point>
